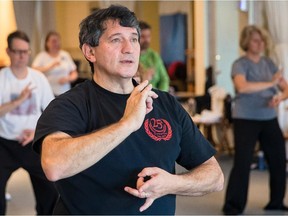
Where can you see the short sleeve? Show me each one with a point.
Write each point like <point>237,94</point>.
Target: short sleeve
<point>62,114</point>
<point>238,67</point>
<point>195,148</point>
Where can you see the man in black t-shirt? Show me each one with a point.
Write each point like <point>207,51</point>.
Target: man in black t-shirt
<point>111,144</point>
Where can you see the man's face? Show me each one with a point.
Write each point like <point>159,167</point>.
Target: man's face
<point>145,39</point>
<point>19,53</point>
<point>117,54</point>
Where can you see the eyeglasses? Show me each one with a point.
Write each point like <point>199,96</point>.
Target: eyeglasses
<point>21,52</point>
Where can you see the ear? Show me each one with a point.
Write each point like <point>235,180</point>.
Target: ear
<point>7,51</point>
<point>88,53</point>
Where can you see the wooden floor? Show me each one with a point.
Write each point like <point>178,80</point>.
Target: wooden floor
<point>22,202</point>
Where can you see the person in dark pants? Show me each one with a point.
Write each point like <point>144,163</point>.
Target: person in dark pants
<point>24,94</point>
<point>260,87</point>
<point>110,143</point>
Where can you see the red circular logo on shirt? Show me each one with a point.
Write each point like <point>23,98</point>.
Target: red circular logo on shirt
<point>158,129</point>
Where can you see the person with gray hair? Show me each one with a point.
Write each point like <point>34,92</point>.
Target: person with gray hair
<point>110,143</point>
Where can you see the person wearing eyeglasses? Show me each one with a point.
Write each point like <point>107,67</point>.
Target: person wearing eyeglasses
<point>56,64</point>
<point>24,94</point>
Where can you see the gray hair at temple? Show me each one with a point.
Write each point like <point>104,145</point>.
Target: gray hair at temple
<point>94,25</point>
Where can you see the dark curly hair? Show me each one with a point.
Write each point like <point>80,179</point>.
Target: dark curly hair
<point>93,26</point>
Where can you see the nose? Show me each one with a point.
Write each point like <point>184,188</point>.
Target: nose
<point>127,47</point>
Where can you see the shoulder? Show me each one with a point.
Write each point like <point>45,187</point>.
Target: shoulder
<point>36,73</point>
<point>64,53</point>
<point>241,64</point>
<point>4,73</point>
<point>153,52</point>
<point>79,93</point>
<point>4,70</point>
<point>267,60</point>
<point>241,60</point>
<point>165,98</point>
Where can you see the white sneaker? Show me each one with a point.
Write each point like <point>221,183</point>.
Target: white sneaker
<point>8,196</point>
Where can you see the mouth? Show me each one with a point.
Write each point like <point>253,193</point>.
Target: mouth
<point>127,61</point>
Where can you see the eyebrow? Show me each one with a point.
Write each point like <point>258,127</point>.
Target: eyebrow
<point>119,34</point>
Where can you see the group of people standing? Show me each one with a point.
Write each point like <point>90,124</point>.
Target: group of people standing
<point>112,141</point>
<point>24,93</point>
<point>109,141</point>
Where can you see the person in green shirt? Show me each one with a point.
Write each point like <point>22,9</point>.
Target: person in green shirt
<point>151,60</point>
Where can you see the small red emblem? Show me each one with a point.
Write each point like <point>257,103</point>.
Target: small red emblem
<point>158,129</point>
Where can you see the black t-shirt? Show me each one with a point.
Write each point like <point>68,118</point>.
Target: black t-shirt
<point>167,135</point>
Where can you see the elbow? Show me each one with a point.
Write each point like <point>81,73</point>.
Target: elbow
<point>51,172</point>
<point>241,89</point>
<point>220,183</point>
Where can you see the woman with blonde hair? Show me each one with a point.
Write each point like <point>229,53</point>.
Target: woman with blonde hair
<point>259,88</point>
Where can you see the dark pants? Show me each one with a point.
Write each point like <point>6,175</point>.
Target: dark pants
<point>14,156</point>
<point>270,137</point>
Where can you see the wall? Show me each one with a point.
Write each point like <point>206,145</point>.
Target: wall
<point>217,30</point>
<point>68,17</point>
<point>226,41</point>
<point>148,11</point>
<point>6,13</point>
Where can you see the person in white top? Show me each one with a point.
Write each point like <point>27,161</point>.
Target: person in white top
<point>56,64</point>
<point>24,94</point>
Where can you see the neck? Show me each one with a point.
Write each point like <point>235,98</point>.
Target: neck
<point>19,72</point>
<point>255,57</point>
<point>53,53</point>
<point>114,84</point>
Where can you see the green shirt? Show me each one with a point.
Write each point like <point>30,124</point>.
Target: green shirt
<point>151,59</point>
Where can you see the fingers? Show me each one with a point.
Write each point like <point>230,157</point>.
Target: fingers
<point>144,195</point>
<point>147,92</point>
<point>149,171</point>
<point>145,88</point>
<point>140,182</point>
<point>147,204</point>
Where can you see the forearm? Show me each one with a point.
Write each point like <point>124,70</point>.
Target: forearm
<point>204,179</point>
<point>251,87</point>
<point>63,156</point>
<point>8,107</point>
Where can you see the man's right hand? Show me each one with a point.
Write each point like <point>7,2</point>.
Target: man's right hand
<point>139,104</point>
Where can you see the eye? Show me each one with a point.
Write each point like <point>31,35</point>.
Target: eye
<point>135,40</point>
<point>115,40</point>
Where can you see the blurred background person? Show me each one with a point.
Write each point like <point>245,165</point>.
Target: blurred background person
<point>56,64</point>
<point>259,87</point>
<point>24,94</point>
<point>152,61</point>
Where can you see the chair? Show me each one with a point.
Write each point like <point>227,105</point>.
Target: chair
<point>216,126</point>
